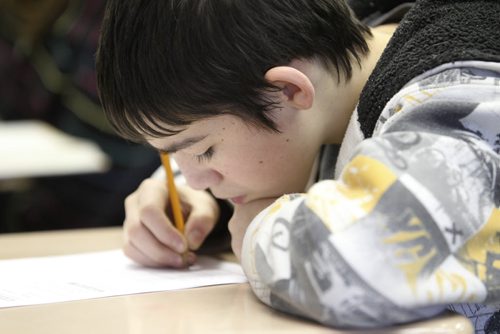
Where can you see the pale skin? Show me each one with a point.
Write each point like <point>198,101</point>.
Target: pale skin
<point>246,165</point>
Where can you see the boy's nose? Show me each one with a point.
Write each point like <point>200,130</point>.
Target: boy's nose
<point>199,177</point>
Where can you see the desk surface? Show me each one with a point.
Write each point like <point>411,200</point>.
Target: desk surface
<point>219,309</point>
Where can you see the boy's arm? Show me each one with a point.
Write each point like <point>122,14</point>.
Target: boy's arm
<point>412,225</point>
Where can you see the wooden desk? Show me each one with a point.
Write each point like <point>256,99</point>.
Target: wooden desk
<point>219,309</point>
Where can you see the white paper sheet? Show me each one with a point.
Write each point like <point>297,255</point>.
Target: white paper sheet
<point>53,279</point>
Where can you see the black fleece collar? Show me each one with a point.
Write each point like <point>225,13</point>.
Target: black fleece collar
<point>432,33</point>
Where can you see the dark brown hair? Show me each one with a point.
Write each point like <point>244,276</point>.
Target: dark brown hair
<point>167,63</point>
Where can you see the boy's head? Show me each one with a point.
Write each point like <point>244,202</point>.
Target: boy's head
<point>165,64</point>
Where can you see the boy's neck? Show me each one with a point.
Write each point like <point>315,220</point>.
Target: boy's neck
<point>377,45</point>
<point>349,93</point>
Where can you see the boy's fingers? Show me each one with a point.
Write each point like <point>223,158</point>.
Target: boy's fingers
<point>156,221</point>
<point>149,237</point>
<point>197,231</point>
<point>142,246</point>
<point>201,220</point>
<point>152,200</point>
<point>138,256</point>
<point>154,193</point>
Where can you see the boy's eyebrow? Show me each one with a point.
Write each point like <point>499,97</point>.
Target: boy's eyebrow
<point>182,144</point>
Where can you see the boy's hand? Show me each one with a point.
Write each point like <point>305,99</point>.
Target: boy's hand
<point>150,237</point>
<point>242,217</point>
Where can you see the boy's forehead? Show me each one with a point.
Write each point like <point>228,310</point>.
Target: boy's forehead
<point>196,132</point>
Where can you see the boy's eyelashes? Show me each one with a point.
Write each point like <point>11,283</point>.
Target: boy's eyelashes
<point>206,156</point>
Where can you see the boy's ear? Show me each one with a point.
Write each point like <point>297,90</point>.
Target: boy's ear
<point>296,87</point>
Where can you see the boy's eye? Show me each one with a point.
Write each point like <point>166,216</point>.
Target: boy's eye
<point>205,156</point>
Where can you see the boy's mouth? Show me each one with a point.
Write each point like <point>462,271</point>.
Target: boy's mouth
<point>237,200</point>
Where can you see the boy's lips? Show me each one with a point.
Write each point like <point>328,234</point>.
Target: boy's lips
<point>237,200</point>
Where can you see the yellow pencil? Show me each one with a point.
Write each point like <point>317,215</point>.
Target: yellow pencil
<point>172,192</point>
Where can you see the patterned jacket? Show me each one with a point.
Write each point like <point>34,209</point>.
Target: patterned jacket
<point>411,224</point>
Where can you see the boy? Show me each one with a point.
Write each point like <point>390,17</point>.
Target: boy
<point>253,98</point>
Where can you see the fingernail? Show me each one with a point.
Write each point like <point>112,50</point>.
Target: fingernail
<point>195,239</point>
<point>179,246</point>
<point>178,261</point>
<point>190,258</point>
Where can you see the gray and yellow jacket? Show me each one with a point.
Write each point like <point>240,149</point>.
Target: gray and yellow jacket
<point>410,225</point>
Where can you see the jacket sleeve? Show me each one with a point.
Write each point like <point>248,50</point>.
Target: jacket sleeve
<point>412,224</point>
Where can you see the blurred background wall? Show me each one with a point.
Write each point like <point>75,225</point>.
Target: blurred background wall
<point>47,72</point>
